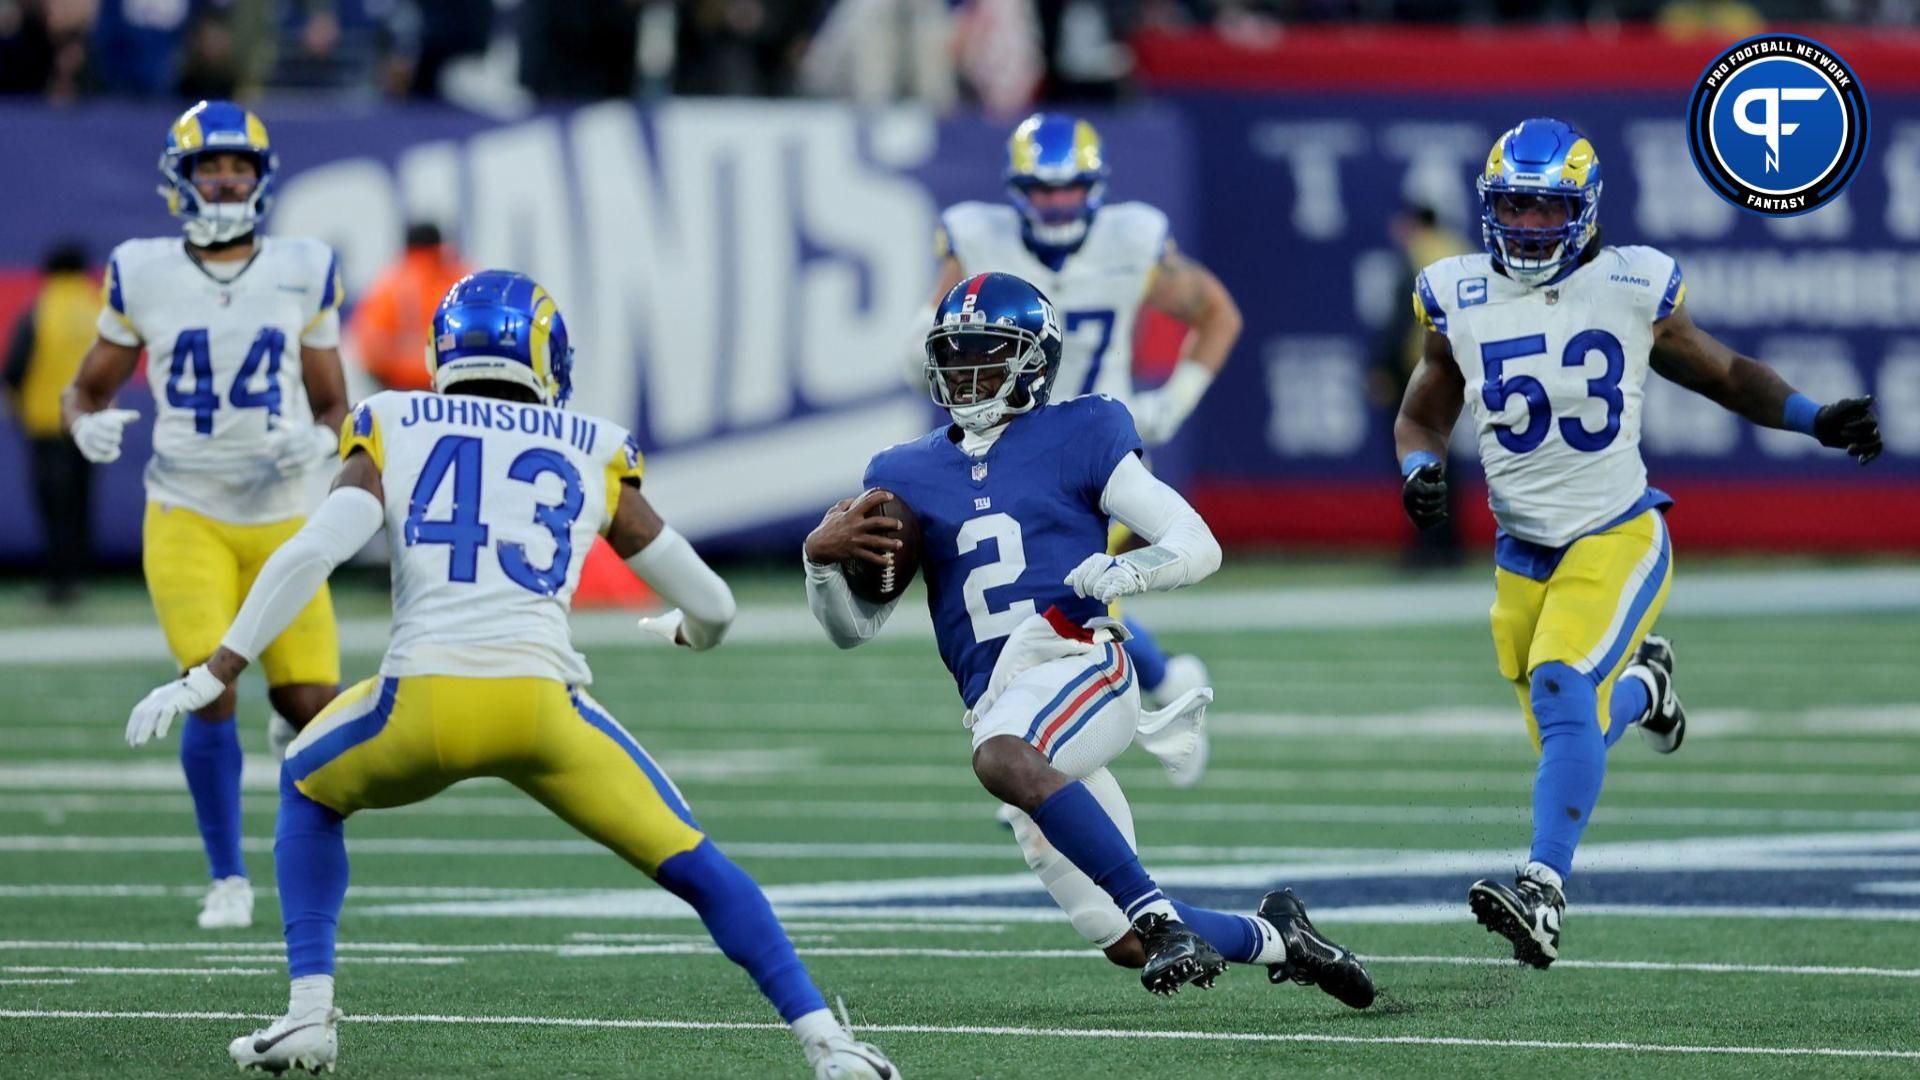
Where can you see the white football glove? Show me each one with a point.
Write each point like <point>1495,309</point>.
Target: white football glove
<point>155,714</point>
<point>294,446</point>
<point>665,627</point>
<point>1154,418</point>
<point>1106,578</point>
<point>97,434</point>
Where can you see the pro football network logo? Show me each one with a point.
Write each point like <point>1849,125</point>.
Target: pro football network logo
<point>1778,125</point>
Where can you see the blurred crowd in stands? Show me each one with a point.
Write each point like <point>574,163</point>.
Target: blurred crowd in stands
<point>504,55</point>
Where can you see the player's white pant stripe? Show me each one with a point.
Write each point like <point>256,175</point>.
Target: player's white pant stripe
<point>1624,606</point>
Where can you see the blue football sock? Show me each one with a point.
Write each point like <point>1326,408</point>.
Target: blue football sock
<point>310,865</point>
<point>743,925</point>
<point>1073,821</point>
<point>1573,762</point>
<point>1148,658</point>
<point>1630,700</point>
<point>1234,935</point>
<point>210,756</point>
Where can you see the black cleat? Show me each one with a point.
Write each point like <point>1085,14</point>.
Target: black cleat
<point>1312,960</point>
<point>1527,914</point>
<point>1666,722</point>
<point>1176,956</point>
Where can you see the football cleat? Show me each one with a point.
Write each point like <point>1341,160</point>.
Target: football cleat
<point>1312,960</point>
<point>310,1042</point>
<point>842,1057</point>
<point>1666,722</point>
<point>1176,956</point>
<point>228,905</point>
<point>1176,731</point>
<point>1527,914</point>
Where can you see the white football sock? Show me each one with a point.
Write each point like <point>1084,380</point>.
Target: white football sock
<point>1544,874</point>
<point>1162,906</point>
<point>816,1026</point>
<point>1273,950</point>
<point>310,994</point>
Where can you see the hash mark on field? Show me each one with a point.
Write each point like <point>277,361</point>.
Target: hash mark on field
<point>1018,1032</point>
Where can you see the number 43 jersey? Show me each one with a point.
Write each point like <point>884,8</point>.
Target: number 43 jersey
<point>492,507</point>
<point>223,359</point>
<point>1554,380</point>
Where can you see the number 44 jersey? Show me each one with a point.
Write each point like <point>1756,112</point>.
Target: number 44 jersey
<point>1555,377</point>
<point>223,358</point>
<point>492,507</point>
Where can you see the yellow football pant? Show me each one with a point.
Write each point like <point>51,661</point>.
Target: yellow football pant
<point>198,570</point>
<point>1589,614</point>
<point>393,741</point>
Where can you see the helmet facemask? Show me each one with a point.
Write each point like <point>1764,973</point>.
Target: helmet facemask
<point>1536,234</point>
<point>984,374</point>
<point>1054,217</point>
<point>208,218</point>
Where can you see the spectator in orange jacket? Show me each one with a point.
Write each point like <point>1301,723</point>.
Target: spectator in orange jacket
<point>389,324</point>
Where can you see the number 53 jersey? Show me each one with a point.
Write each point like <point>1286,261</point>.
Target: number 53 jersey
<point>1555,377</point>
<point>491,507</point>
<point>223,358</point>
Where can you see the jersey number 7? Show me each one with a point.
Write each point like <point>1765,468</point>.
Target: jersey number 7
<point>1497,388</point>
<point>463,531</point>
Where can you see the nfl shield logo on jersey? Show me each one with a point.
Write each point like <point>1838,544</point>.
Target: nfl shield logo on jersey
<point>979,471</point>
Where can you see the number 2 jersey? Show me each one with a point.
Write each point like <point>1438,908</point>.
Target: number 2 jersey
<point>1097,289</point>
<point>491,507</point>
<point>1000,533</point>
<point>1555,378</point>
<point>223,359</point>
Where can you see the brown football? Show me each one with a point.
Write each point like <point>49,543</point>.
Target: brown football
<point>880,584</point>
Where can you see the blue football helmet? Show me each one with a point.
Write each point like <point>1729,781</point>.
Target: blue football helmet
<point>992,351</point>
<point>1050,151</point>
<point>1539,169</point>
<point>501,326</point>
<point>213,127</point>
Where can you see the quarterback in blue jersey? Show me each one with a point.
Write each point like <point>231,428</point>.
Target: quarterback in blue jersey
<point>1102,263</point>
<point>1547,338</point>
<point>1014,499</point>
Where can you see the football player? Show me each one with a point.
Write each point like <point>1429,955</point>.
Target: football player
<point>243,335</point>
<point>492,494</point>
<point>1014,499</point>
<point>1100,264</point>
<point>1554,333</point>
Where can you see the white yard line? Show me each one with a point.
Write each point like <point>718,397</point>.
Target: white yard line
<point>593,945</point>
<point>1018,1032</point>
<point>38,982</point>
<point>41,970</point>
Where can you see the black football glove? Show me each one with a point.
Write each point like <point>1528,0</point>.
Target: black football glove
<point>1849,424</point>
<point>1425,496</point>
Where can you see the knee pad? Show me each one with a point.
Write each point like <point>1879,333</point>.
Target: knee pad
<point>1564,700</point>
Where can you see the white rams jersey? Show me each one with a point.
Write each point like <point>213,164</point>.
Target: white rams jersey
<point>1555,378</point>
<point>492,507</point>
<point>223,358</point>
<point>1097,290</point>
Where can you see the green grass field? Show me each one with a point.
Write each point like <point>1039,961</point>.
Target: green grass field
<point>1749,906</point>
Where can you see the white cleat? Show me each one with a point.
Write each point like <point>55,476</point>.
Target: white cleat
<point>1184,672</point>
<point>310,1042</point>
<point>842,1057</point>
<point>228,905</point>
<point>1177,735</point>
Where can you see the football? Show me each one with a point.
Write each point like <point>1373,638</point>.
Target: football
<point>882,584</point>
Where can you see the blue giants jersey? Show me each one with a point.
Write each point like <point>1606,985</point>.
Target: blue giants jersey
<point>1001,533</point>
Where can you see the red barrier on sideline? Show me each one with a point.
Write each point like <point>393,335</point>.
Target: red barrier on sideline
<point>1708,515</point>
<point>1345,59</point>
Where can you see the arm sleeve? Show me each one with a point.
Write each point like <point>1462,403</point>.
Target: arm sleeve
<point>19,349</point>
<point>323,330</point>
<point>676,571</point>
<point>114,324</point>
<point>342,526</point>
<point>847,619</point>
<point>1184,550</point>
